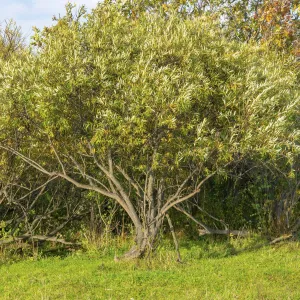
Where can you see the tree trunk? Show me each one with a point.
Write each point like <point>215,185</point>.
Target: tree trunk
<point>145,239</point>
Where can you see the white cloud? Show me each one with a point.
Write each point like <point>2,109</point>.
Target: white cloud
<point>39,13</point>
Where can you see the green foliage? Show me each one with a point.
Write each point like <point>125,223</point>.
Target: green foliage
<point>131,85</point>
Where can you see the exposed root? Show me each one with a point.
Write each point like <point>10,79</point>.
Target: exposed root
<point>134,253</point>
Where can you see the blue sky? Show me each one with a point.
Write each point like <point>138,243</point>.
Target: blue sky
<point>28,13</point>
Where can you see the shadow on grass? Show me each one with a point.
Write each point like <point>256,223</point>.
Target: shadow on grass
<point>204,247</point>
<point>22,251</point>
<point>219,246</point>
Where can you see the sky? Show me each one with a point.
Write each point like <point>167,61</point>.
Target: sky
<point>39,13</point>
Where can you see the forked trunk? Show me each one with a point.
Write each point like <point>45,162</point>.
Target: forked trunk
<point>144,242</point>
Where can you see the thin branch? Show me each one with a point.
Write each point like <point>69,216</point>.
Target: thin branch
<point>208,230</point>
<point>68,178</point>
<point>109,174</point>
<point>192,218</point>
<point>39,187</point>
<point>170,204</point>
<point>91,179</point>
<point>211,216</point>
<point>59,160</point>
<point>131,181</point>
<point>182,186</point>
<point>28,160</point>
<point>174,238</point>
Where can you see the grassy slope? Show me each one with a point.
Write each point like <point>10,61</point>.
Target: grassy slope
<point>267,273</point>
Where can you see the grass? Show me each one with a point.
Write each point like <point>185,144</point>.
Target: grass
<point>211,270</point>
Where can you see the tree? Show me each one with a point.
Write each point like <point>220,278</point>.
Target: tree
<point>11,39</point>
<point>146,110</point>
<point>274,22</point>
<point>279,23</point>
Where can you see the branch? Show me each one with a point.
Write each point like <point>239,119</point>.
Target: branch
<point>28,160</point>
<point>59,160</point>
<point>35,237</point>
<point>68,178</point>
<point>182,186</point>
<point>89,187</point>
<point>110,176</point>
<point>281,238</point>
<point>208,214</point>
<point>39,187</point>
<point>90,179</point>
<point>174,238</point>
<point>208,230</point>
<point>131,181</point>
<point>287,236</point>
<point>170,204</point>
<point>239,233</point>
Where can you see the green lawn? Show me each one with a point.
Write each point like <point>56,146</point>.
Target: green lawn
<point>207,273</point>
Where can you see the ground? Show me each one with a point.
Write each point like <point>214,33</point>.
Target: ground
<point>208,272</point>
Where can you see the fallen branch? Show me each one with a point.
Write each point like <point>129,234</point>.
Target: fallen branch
<point>208,230</point>
<point>239,233</point>
<point>282,238</point>
<point>287,236</point>
<point>44,238</point>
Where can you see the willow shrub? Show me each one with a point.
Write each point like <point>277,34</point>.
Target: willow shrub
<point>145,110</point>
